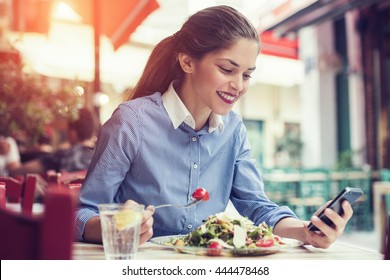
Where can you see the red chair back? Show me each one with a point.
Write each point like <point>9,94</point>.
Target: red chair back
<point>13,189</point>
<point>29,194</point>
<point>3,199</point>
<point>48,236</point>
<point>18,192</point>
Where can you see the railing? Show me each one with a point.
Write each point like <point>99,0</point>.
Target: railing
<point>304,191</point>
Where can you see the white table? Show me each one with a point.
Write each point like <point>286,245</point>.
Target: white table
<point>150,251</point>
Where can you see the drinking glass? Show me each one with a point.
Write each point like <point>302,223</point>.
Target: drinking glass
<point>121,225</point>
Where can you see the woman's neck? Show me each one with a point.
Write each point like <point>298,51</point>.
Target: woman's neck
<point>199,111</point>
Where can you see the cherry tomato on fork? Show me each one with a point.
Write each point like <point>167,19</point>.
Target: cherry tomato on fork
<point>201,194</point>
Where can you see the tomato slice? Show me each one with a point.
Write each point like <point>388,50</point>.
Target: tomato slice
<point>265,242</point>
<point>214,249</point>
<point>201,194</point>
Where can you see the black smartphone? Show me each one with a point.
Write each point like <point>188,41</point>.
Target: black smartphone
<point>349,194</point>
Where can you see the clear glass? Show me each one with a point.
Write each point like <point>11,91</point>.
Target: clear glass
<point>121,225</point>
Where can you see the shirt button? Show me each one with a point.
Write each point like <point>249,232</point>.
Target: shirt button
<point>189,226</point>
<point>195,166</point>
<point>193,139</point>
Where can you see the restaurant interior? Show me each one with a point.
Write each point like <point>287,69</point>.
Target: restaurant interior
<point>317,111</point>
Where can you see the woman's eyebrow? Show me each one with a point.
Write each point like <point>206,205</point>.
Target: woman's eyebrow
<point>238,65</point>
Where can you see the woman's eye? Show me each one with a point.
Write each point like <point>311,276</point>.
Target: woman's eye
<point>225,69</point>
<point>247,76</point>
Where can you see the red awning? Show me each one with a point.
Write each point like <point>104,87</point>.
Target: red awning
<point>118,18</point>
<point>278,46</point>
<point>31,15</point>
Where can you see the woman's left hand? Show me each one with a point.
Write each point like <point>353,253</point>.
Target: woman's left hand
<point>146,224</point>
<point>328,234</point>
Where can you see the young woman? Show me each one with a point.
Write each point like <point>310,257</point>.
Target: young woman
<point>177,133</point>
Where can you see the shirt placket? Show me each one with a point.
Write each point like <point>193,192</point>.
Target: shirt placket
<point>194,177</point>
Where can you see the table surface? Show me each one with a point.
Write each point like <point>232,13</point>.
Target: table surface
<point>151,251</point>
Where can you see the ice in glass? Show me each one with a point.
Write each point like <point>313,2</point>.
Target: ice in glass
<point>120,230</point>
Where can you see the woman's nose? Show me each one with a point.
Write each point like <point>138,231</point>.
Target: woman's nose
<point>237,84</point>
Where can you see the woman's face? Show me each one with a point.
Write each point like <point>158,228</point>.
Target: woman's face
<point>220,78</point>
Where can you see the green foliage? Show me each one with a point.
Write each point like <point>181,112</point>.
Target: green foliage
<point>345,160</point>
<point>291,144</point>
<point>28,104</point>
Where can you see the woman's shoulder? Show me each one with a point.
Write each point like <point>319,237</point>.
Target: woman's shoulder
<point>232,118</point>
<point>141,102</point>
<point>133,111</point>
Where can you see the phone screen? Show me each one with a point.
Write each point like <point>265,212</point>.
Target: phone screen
<point>349,194</point>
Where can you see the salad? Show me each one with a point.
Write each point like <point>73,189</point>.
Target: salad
<point>230,231</point>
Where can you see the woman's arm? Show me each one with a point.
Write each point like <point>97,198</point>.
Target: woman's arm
<point>93,230</point>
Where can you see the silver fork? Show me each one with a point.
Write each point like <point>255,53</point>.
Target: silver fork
<point>188,205</point>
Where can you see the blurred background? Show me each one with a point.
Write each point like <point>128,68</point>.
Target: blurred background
<point>318,102</point>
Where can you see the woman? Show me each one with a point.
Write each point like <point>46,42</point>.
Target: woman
<point>178,133</point>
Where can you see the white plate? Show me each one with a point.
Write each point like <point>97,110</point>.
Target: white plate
<point>258,251</point>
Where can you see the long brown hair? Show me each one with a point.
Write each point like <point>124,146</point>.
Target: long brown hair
<point>206,31</point>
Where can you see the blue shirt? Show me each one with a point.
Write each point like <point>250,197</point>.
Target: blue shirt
<point>141,155</point>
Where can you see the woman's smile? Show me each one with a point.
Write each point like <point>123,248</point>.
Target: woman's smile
<point>227,97</point>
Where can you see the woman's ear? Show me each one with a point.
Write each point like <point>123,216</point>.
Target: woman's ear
<point>186,62</point>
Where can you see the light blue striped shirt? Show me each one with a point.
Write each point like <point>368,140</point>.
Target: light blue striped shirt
<point>142,155</point>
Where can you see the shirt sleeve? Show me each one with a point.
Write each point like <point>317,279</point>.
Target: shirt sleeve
<point>117,146</point>
<point>248,195</point>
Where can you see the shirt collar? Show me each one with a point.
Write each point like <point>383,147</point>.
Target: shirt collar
<point>178,112</point>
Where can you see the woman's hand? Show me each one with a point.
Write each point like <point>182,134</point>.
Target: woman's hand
<point>328,234</point>
<point>146,224</point>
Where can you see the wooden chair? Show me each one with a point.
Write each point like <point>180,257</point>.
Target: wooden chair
<point>3,199</point>
<point>13,189</point>
<point>387,248</point>
<point>29,189</point>
<point>381,190</point>
<point>20,193</point>
<point>47,237</point>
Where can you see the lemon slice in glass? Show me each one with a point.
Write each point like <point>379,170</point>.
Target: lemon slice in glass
<point>126,218</point>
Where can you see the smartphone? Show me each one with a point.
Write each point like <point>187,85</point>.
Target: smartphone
<point>349,194</point>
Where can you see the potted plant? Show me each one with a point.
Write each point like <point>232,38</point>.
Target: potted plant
<point>28,104</point>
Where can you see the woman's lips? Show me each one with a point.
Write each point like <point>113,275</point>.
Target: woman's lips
<point>228,98</point>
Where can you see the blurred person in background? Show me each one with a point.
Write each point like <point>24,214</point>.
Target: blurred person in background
<point>43,147</point>
<point>9,155</point>
<point>75,156</point>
